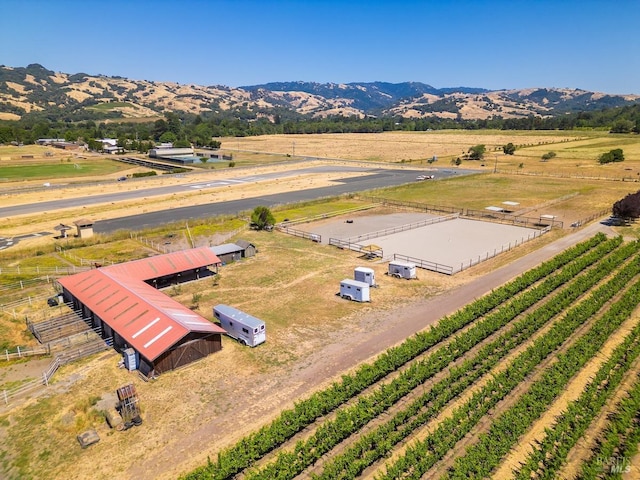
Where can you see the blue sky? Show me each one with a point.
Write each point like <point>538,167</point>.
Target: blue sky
<point>592,45</point>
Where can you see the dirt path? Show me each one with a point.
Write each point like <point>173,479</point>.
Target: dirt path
<point>348,348</point>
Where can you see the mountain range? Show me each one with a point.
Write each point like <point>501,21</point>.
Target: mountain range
<point>26,90</point>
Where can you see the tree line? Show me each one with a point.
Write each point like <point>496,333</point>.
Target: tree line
<point>201,129</point>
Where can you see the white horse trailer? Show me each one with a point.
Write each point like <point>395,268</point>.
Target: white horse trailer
<point>366,275</point>
<point>354,290</point>
<point>401,269</point>
<point>243,327</point>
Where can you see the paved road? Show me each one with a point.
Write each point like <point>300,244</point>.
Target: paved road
<point>375,178</point>
<point>10,242</point>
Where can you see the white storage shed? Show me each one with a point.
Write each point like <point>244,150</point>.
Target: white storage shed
<point>354,290</point>
<point>400,269</point>
<point>366,275</point>
<point>243,327</point>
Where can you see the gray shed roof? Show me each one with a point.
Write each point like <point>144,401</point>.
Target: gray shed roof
<point>226,248</point>
<point>244,244</point>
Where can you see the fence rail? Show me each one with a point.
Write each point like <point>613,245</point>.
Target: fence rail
<point>401,228</point>
<point>24,301</point>
<point>590,218</point>
<point>68,356</point>
<point>84,262</point>
<point>356,247</point>
<point>149,243</point>
<point>504,248</point>
<point>57,270</point>
<point>26,352</point>
<point>450,270</point>
<point>500,217</point>
<point>287,223</point>
<point>510,219</point>
<point>426,264</point>
<point>315,237</point>
<point>423,207</point>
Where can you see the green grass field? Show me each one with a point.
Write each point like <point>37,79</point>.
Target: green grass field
<point>57,169</point>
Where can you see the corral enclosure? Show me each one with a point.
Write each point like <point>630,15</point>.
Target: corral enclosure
<point>446,241</point>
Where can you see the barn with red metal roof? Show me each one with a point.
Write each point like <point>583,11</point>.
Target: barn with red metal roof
<point>123,301</point>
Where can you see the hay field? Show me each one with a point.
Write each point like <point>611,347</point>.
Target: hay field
<point>576,152</point>
<point>394,146</point>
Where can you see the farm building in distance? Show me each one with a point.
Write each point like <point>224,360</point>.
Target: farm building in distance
<point>169,152</point>
<point>84,228</point>
<point>232,252</point>
<point>123,302</point>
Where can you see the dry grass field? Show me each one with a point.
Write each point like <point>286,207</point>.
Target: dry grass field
<point>190,414</point>
<point>414,147</point>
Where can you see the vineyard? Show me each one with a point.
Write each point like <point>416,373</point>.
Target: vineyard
<point>456,400</point>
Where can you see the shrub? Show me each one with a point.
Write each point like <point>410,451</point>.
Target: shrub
<point>615,155</point>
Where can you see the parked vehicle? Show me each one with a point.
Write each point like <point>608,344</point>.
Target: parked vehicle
<point>354,290</point>
<point>243,327</point>
<point>400,269</point>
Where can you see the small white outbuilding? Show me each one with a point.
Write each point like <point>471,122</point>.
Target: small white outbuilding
<point>354,290</point>
<point>366,275</point>
<point>400,269</point>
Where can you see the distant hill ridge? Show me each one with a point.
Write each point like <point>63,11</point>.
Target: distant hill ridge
<point>36,89</point>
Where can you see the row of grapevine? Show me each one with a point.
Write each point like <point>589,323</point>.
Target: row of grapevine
<point>289,464</point>
<point>550,453</point>
<point>481,458</point>
<point>374,445</point>
<point>484,456</point>
<point>618,443</point>
<point>249,449</point>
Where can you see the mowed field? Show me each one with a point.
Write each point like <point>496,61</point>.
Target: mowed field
<point>576,152</point>
<point>563,338</point>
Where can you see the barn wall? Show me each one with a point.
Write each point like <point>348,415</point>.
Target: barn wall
<point>193,348</point>
<point>230,257</point>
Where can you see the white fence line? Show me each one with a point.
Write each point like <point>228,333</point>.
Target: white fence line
<point>57,270</point>
<point>25,352</point>
<point>24,301</point>
<point>400,228</point>
<point>287,223</point>
<point>504,248</point>
<point>149,243</point>
<point>82,261</point>
<point>61,359</point>
<point>450,270</point>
